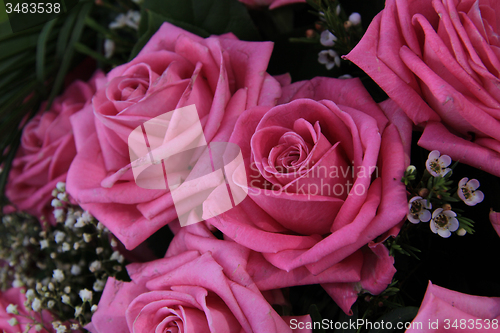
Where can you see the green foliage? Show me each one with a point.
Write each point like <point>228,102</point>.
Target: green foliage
<point>33,65</point>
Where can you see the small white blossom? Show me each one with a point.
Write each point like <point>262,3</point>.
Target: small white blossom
<point>12,309</point>
<point>44,244</point>
<point>56,203</point>
<point>131,19</point>
<point>461,232</point>
<point>76,270</point>
<point>87,237</point>
<point>117,256</point>
<point>62,197</point>
<point>329,58</point>
<point>418,210</point>
<point>30,294</point>
<point>327,38</point>
<point>17,283</point>
<point>93,308</point>
<point>99,250</point>
<point>444,222</point>
<point>13,322</point>
<point>75,327</point>
<point>59,236</point>
<point>87,216</point>
<point>67,289</point>
<point>113,242</point>
<point>119,22</point>
<point>58,275</point>
<point>355,18</point>
<point>437,164</point>
<point>80,222</point>
<point>61,329</point>
<point>70,221</point>
<point>95,266</point>
<point>50,304</point>
<point>55,192</point>
<point>58,214</point>
<point>78,311</point>
<point>61,186</point>
<point>345,76</point>
<point>76,246</point>
<point>109,48</point>
<point>66,247</point>
<point>51,286</point>
<point>38,327</point>
<point>65,299</point>
<point>36,305</point>
<point>467,191</point>
<point>85,295</point>
<point>99,285</point>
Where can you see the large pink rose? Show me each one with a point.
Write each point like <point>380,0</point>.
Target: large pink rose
<point>444,310</point>
<point>222,76</point>
<point>438,60</point>
<point>16,298</point>
<point>324,172</point>
<point>189,292</point>
<point>47,150</point>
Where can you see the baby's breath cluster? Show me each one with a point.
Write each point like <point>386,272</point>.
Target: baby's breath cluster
<point>337,31</point>
<point>430,199</point>
<point>64,267</point>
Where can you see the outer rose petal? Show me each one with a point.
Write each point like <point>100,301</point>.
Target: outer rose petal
<point>495,221</point>
<point>47,150</point>
<point>438,60</point>
<point>192,290</point>
<point>440,304</point>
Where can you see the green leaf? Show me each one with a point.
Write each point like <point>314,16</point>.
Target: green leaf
<point>68,54</point>
<point>82,48</point>
<point>215,16</point>
<point>41,49</point>
<point>65,31</point>
<point>14,46</point>
<point>394,317</point>
<point>315,317</point>
<point>343,318</point>
<point>154,22</point>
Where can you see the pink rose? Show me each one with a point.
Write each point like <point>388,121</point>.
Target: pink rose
<point>495,221</point>
<point>47,150</point>
<point>438,60</point>
<point>324,180</point>
<point>189,292</point>
<point>444,310</point>
<point>12,301</point>
<point>222,76</point>
<point>271,3</point>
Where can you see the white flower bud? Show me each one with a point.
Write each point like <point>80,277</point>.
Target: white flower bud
<point>58,275</point>
<point>85,295</point>
<point>36,305</point>
<point>61,186</point>
<point>12,309</point>
<point>355,18</point>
